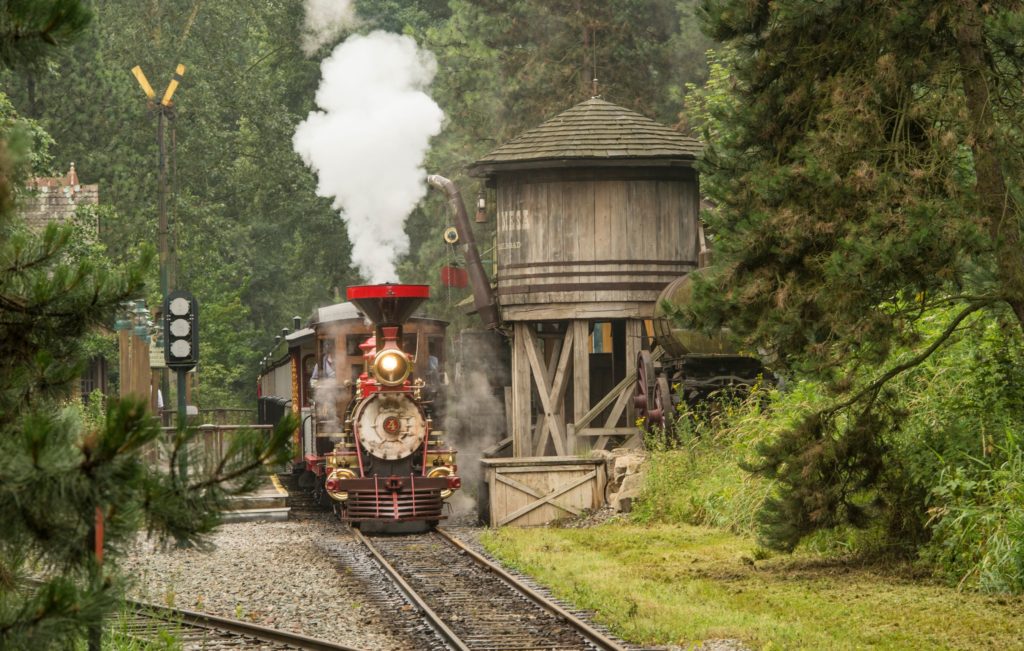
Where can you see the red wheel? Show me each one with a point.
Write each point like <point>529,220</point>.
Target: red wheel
<point>662,413</point>
<point>644,391</point>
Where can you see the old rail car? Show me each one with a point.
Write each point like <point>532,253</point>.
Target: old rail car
<point>686,365</point>
<point>370,444</point>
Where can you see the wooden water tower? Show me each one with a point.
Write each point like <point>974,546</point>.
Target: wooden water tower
<point>597,211</point>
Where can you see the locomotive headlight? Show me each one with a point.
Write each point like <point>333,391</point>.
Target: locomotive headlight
<point>391,367</point>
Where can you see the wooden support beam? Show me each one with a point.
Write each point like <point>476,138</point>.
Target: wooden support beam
<point>634,340</point>
<point>542,431</point>
<point>559,384</point>
<point>580,377</point>
<point>550,381</point>
<point>540,378</point>
<point>607,431</point>
<point>613,395</point>
<point>522,413</point>
<point>625,396</point>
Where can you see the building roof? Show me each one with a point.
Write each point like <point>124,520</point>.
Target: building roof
<point>56,198</point>
<point>592,132</point>
<point>336,312</point>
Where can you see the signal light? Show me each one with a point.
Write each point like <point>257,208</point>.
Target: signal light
<point>181,330</point>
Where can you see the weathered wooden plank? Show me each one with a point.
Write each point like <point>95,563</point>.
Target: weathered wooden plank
<point>558,312</point>
<point>625,396</point>
<point>522,416</point>
<point>492,493</point>
<point>543,384</point>
<point>558,386</point>
<point>580,376</point>
<point>603,216</point>
<point>608,431</point>
<point>512,462</point>
<point>634,328</point>
<point>546,499</point>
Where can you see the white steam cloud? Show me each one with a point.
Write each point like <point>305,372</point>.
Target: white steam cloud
<point>367,143</point>
<point>325,21</point>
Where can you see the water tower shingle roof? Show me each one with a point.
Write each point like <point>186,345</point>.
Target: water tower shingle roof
<point>594,130</point>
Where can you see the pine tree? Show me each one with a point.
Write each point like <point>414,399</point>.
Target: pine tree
<point>59,474</point>
<point>866,165</point>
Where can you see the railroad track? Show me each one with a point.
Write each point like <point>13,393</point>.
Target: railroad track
<point>199,631</point>
<point>472,604</point>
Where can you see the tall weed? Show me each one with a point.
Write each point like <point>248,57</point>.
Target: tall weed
<point>978,524</point>
<point>694,475</point>
<point>952,493</point>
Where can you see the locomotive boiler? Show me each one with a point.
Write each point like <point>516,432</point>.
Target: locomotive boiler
<point>390,469</point>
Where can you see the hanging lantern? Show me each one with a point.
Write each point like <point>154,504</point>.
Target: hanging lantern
<point>141,315</point>
<point>452,276</point>
<point>481,208</point>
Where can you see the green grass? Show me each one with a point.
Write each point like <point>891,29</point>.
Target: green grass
<point>680,584</point>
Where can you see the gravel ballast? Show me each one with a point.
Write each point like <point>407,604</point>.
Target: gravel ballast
<point>274,574</point>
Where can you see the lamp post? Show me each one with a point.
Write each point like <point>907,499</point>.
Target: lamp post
<point>164,110</point>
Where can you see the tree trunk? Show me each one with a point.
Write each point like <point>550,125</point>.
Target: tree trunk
<point>997,208</point>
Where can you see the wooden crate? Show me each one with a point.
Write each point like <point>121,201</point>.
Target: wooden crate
<point>531,491</point>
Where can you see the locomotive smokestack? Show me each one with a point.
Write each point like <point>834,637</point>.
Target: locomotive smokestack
<point>388,304</point>
<point>483,297</point>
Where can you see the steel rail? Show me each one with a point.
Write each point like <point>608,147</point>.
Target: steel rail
<point>213,622</point>
<point>433,619</point>
<point>594,636</point>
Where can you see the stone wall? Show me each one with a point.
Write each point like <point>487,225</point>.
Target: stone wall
<point>625,472</point>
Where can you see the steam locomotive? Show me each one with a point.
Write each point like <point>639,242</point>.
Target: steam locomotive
<point>371,448</point>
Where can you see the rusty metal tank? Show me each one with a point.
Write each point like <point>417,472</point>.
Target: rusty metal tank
<point>682,341</point>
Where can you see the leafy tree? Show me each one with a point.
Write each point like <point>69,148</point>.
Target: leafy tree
<point>30,28</point>
<point>253,241</point>
<point>59,474</point>
<point>866,170</point>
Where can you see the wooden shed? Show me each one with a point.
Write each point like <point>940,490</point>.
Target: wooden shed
<point>597,211</point>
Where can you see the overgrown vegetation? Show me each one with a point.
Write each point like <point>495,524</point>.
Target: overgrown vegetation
<point>948,494</point>
<point>681,585</point>
<point>865,161</point>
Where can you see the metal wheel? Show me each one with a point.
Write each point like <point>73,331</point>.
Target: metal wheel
<point>643,393</point>
<point>643,390</point>
<point>663,412</point>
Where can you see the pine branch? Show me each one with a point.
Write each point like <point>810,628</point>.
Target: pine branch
<point>876,386</point>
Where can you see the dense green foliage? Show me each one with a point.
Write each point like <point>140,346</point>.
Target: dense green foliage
<point>254,242</point>
<point>60,467</point>
<point>949,490</point>
<point>865,159</point>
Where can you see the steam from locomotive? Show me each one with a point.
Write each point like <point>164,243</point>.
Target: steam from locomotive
<point>367,142</point>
